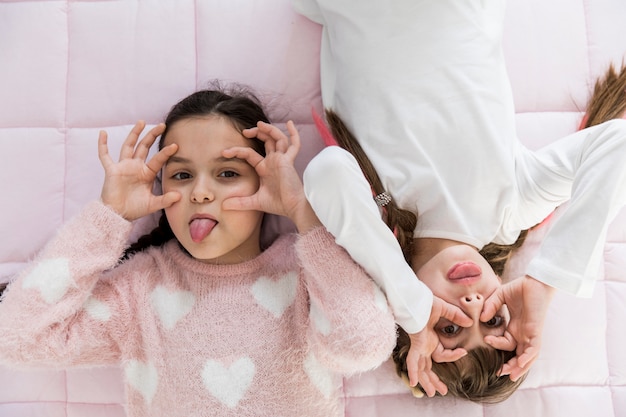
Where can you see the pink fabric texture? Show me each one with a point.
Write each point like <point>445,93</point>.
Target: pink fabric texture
<point>195,338</point>
<point>73,67</point>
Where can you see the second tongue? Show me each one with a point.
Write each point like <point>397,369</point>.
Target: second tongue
<point>200,228</point>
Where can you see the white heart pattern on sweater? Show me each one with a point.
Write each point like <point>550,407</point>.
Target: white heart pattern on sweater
<point>51,277</point>
<point>97,310</point>
<point>319,319</point>
<point>229,384</point>
<point>171,306</point>
<point>320,376</point>
<point>143,377</point>
<point>276,295</point>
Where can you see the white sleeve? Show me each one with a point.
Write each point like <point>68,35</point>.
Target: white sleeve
<point>591,166</point>
<point>309,9</point>
<point>342,199</point>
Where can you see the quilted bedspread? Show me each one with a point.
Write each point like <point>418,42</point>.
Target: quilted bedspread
<point>69,68</point>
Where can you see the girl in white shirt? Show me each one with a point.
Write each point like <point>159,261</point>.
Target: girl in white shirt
<point>423,87</point>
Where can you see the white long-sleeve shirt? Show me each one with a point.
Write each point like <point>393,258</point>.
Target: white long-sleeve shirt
<point>424,88</point>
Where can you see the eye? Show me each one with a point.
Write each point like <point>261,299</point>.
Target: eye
<point>449,330</point>
<point>228,174</point>
<point>496,321</point>
<point>180,176</point>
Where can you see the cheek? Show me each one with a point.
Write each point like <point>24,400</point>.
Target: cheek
<point>243,189</point>
<point>429,276</point>
<point>173,215</point>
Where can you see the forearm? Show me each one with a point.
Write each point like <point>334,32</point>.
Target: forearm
<point>342,199</point>
<point>304,218</point>
<point>39,306</point>
<point>352,328</point>
<point>570,255</point>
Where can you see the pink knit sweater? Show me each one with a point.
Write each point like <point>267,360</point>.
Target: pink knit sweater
<point>267,337</point>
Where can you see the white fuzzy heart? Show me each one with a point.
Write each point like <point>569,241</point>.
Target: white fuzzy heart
<point>276,295</point>
<point>51,277</point>
<point>319,319</point>
<point>97,310</point>
<point>320,376</point>
<point>171,306</point>
<point>143,377</point>
<point>228,384</point>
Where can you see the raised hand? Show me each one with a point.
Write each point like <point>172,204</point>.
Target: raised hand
<point>128,183</point>
<point>426,347</point>
<point>280,191</point>
<point>527,301</point>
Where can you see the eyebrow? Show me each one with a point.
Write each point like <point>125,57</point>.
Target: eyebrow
<point>181,160</point>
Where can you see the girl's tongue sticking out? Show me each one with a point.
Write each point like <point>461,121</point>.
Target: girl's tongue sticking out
<point>200,228</point>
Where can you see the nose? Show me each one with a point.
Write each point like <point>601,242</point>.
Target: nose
<point>472,303</point>
<point>201,192</point>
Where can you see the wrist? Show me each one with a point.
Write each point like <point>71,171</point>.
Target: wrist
<point>304,218</point>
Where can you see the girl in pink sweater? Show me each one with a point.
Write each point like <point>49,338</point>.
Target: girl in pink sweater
<point>203,321</point>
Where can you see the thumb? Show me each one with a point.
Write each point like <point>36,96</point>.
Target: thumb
<point>240,203</point>
<point>163,201</point>
<point>170,198</point>
<point>492,305</point>
<point>454,314</point>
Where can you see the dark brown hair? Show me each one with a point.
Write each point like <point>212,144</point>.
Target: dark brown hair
<point>608,100</point>
<point>474,377</point>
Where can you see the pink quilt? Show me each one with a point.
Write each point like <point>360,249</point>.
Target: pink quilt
<point>69,68</point>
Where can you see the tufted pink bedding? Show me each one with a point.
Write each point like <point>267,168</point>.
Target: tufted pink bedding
<point>71,68</point>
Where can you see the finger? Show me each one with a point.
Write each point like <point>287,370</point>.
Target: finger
<point>411,370</point>
<point>128,147</point>
<point>441,355</point>
<point>436,383</point>
<point>262,135</point>
<point>242,152</point>
<point>251,132</point>
<point>272,133</point>
<point>505,342</point>
<point>142,150</point>
<point>425,378</point>
<point>166,200</point>
<point>508,367</point>
<point>240,203</point>
<point>456,315</point>
<point>518,372</point>
<point>492,305</point>
<point>294,148</point>
<point>513,369</point>
<point>103,150</point>
<point>528,356</point>
<point>160,158</point>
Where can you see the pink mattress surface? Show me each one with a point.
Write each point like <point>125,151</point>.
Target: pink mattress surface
<point>71,68</point>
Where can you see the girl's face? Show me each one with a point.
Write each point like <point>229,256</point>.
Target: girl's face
<point>459,275</point>
<point>204,179</point>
